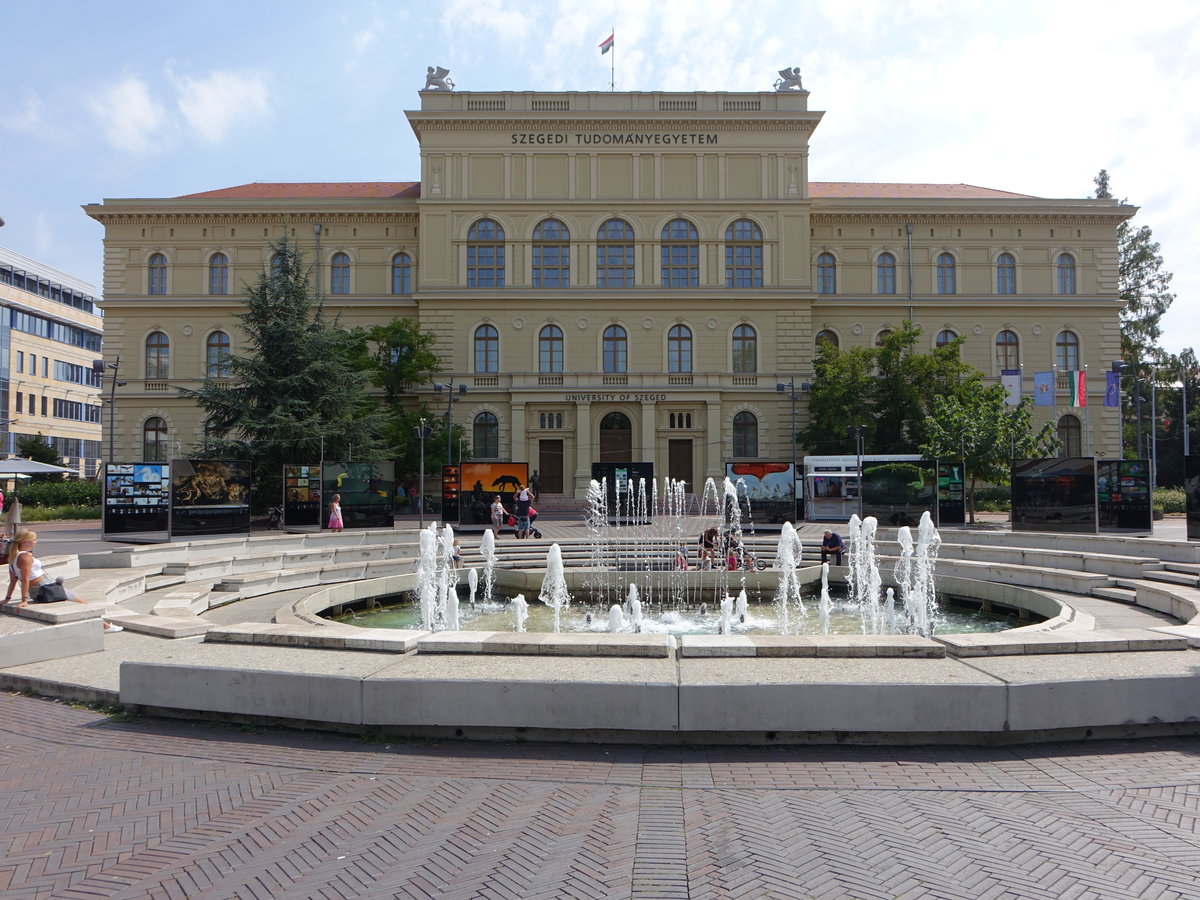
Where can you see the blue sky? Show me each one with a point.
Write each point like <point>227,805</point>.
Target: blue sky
<point>139,99</point>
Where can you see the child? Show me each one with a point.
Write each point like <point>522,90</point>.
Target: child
<point>335,514</point>
<point>455,554</point>
<point>681,558</point>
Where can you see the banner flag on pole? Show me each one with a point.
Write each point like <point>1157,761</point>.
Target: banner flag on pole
<point>1043,388</point>
<point>1112,388</point>
<point>607,44</point>
<point>1011,379</point>
<point>1078,379</point>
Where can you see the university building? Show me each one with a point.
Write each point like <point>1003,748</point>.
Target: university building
<point>50,339</point>
<point>621,277</point>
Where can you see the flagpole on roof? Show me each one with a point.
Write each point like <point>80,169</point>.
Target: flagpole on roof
<point>612,65</point>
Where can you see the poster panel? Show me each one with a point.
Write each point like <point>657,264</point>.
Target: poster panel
<point>1123,495</point>
<point>951,493</point>
<point>768,491</point>
<point>301,496</point>
<point>137,500</point>
<point>480,482</point>
<point>625,481</point>
<point>1191,487</point>
<point>897,492</point>
<point>451,476</point>
<point>367,491</point>
<point>1056,495</point>
<point>210,496</point>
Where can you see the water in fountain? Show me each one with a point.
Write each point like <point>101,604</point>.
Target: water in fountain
<point>426,577</point>
<point>473,584</point>
<point>487,549</point>
<point>825,604</point>
<point>520,611</point>
<point>616,619</point>
<point>554,586</point>
<point>726,614</point>
<point>448,581</point>
<point>787,558</point>
<point>863,580</point>
<point>921,610</point>
<point>742,607</point>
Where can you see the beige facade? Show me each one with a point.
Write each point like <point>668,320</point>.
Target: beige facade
<point>50,338</point>
<point>660,257</point>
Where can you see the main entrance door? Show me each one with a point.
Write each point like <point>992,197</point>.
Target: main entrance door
<point>550,466</point>
<point>679,462</point>
<point>616,438</point>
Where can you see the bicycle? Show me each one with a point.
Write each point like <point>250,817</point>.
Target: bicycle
<point>275,517</point>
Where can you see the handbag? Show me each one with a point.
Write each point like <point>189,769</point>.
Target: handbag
<point>52,593</point>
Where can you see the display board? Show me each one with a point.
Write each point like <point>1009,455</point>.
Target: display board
<point>137,501</point>
<point>768,492</point>
<point>367,491</point>
<point>210,496</point>
<point>1191,488</point>
<point>301,496</point>
<point>480,482</point>
<point>623,481</point>
<point>1057,495</point>
<point>896,492</point>
<point>951,493</point>
<point>451,488</point>
<point>1123,495</point>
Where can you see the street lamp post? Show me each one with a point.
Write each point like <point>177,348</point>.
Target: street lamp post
<point>859,433</point>
<point>790,389</point>
<point>450,398</point>
<point>115,365</point>
<point>423,432</point>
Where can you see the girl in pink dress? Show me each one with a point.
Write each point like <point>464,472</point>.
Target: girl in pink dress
<point>335,514</point>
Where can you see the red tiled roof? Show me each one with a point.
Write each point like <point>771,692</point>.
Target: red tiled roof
<point>260,190</point>
<point>883,191</point>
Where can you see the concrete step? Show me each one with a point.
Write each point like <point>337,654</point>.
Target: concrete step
<point>1119,594</point>
<point>1174,578</point>
<point>162,626</point>
<point>1185,568</point>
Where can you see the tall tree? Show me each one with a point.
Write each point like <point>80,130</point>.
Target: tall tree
<point>977,425</point>
<point>297,390</point>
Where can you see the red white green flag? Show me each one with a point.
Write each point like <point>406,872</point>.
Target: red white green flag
<point>1078,378</point>
<point>607,44</point>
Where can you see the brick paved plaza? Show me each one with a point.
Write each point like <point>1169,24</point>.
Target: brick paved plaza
<point>91,808</point>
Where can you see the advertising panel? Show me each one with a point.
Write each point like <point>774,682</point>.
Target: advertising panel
<point>951,493</point>
<point>450,492</point>
<point>1191,487</point>
<point>896,492</point>
<point>137,500</point>
<point>301,497</point>
<point>1123,495</point>
<point>480,482</point>
<point>768,492</point>
<point>625,482</point>
<point>367,491</point>
<point>1057,495</point>
<point>210,496</point>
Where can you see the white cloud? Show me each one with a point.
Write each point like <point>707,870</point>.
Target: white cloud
<point>132,120</point>
<point>29,116</point>
<point>213,105</point>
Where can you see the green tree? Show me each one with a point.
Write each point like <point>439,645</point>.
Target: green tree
<point>298,389</point>
<point>840,397</point>
<point>400,355</point>
<point>977,425</point>
<point>34,446</point>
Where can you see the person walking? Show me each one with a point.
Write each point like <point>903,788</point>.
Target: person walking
<point>335,514</point>
<point>522,500</point>
<point>497,515</point>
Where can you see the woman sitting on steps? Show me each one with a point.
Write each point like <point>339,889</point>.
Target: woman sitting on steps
<point>26,570</point>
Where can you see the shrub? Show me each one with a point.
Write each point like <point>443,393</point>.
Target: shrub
<point>58,493</point>
<point>1170,500</point>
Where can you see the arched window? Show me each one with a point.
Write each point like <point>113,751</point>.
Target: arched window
<point>743,255</point>
<point>339,274</point>
<point>1066,273</point>
<point>882,336</point>
<point>745,349</point>
<point>745,434</point>
<point>825,336</point>
<point>614,255</point>
<point>550,349</point>
<point>826,274</point>
<point>947,276</point>
<point>487,350</point>
<point>679,349</point>
<point>616,350</point>
<point>551,254</point>
<point>278,264</point>
<point>944,338</point>
<point>485,254</point>
<point>158,274</point>
<point>1006,274</point>
<point>486,436</point>
<point>401,274</point>
<point>680,254</point>
<point>154,440</point>
<point>1070,434</point>
<point>1008,357</point>
<point>1066,351</point>
<point>885,274</point>
<point>158,356</point>
<point>216,355</point>
<point>218,274</point>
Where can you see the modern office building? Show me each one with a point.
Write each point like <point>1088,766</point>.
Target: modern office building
<point>50,340</point>
<point>622,276</point>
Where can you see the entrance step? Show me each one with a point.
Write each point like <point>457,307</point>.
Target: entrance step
<point>1119,594</point>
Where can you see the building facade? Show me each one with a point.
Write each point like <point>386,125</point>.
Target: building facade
<point>50,341</point>
<point>622,276</point>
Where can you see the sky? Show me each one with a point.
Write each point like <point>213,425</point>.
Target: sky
<point>131,99</point>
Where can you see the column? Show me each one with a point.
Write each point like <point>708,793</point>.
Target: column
<point>583,448</point>
<point>649,434</point>
<point>520,452</point>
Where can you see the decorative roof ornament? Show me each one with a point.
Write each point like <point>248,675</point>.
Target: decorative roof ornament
<point>789,80</point>
<point>436,79</point>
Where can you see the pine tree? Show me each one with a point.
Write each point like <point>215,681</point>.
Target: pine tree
<point>296,390</point>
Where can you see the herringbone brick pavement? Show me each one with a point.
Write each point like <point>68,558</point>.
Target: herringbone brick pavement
<point>91,808</point>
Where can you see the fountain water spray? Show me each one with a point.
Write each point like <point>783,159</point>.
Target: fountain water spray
<point>825,605</point>
<point>487,549</point>
<point>787,557</point>
<point>726,614</point>
<point>448,581</point>
<point>616,619</point>
<point>473,584</point>
<point>520,611</point>
<point>554,586</point>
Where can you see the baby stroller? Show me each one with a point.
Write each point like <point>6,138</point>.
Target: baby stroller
<point>532,528</point>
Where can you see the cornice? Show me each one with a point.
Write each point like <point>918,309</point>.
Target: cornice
<point>175,217</point>
<point>950,218</point>
<point>591,124</point>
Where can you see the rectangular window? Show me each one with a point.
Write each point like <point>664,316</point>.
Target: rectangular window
<point>44,405</point>
<point>20,403</point>
<point>20,360</point>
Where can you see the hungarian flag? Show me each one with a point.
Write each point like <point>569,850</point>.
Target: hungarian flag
<point>1078,378</point>
<point>606,44</point>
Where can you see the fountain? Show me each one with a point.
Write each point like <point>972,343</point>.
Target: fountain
<point>554,586</point>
